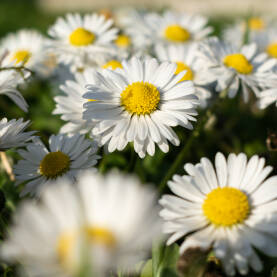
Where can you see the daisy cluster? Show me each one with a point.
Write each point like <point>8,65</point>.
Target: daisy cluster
<point>126,80</point>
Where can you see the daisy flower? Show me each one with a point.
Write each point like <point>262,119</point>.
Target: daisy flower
<point>79,226</point>
<point>140,103</point>
<point>232,67</point>
<point>70,105</point>
<point>169,27</point>
<point>185,56</point>
<point>231,208</point>
<point>65,158</point>
<point>82,41</point>
<point>25,47</point>
<point>267,97</point>
<point>12,133</point>
<point>9,80</point>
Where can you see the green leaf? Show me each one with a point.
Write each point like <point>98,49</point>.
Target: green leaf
<point>147,269</point>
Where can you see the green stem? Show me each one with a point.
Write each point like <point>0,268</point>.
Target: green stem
<point>18,68</point>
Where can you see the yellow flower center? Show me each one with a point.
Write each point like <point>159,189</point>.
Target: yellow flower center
<point>54,164</point>
<point>272,50</point>
<point>140,98</point>
<point>226,206</point>
<point>256,24</point>
<point>101,236</point>
<point>65,249</point>
<point>81,37</point>
<point>239,63</point>
<point>122,41</point>
<point>176,33</point>
<point>112,64</point>
<point>181,67</point>
<point>21,56</point>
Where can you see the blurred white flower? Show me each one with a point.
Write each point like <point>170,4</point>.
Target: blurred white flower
<point>12,133</point>
<point>25,47</point>
<point>100,224</point>
<point>66,158</point>
<point>82,41</point>
<point>232,209</point>
<point>140,103</point>
<point>185,56</point>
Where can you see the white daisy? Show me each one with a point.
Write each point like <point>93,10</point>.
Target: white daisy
<point>9,80</point>
<point>169,27</point>
<point>82,41</point>
<point>67,156</point>
<point>70,105</point>
<point>232,67</point>
<point>140,103</point>
<point>185,56</point>
<point>231,208</point>
<point>267,97</point>
<point>100,222</point>
<point>25,47</point>
<point>256,27</point>
<point>12,133</point>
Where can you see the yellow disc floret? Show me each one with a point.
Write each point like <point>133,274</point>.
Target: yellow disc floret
<point>256,24</point>
<point>112,64</point>
<point>181,67</point>
<point>238,62</point>
<point>21,56</point>
<point>122,41</point>
<point>140,98</point>
<point>272,50</point>
<point>100,236</point>
<point>176,33</point>
<point>226,206</point>
<point>54,164</point>
<point>81,37</point>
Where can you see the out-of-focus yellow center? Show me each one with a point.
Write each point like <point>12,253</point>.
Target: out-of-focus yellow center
<point>140,98</point>
<point>81,37</point>
<point>100,236</point>
<point>239,63</point>
<point>226,206</point>
<point>54,164</point>
<point>122,41</point>
<point>256,24</point>
<point>112,64</point>
<point>181,67</point>
<point>272,50</point>
<point>21,56</point>
<point>176,33</point>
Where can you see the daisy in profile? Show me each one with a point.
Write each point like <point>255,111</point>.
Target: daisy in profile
<point>77,227</point>
<point>185,56</point>
<point>70,104</point>
<point>232,67</point>
<point>169,28</point>
<point>25,47</point>
<point>231,208</point>
<point>82,41</point>
<point>12,133</point>
<point>9,81</point>
<point>140,103</point>
<point>66,157</point>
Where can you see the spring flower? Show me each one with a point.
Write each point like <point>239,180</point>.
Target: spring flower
<point>25,47</point>
<point>12,133</point>
<point>140,103</point>
<point>232,67</point>
<point>231,208</point>
<point>82,41</point>
<point>66,157</point>
<point>185,56</point>
<point>78,226</point>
